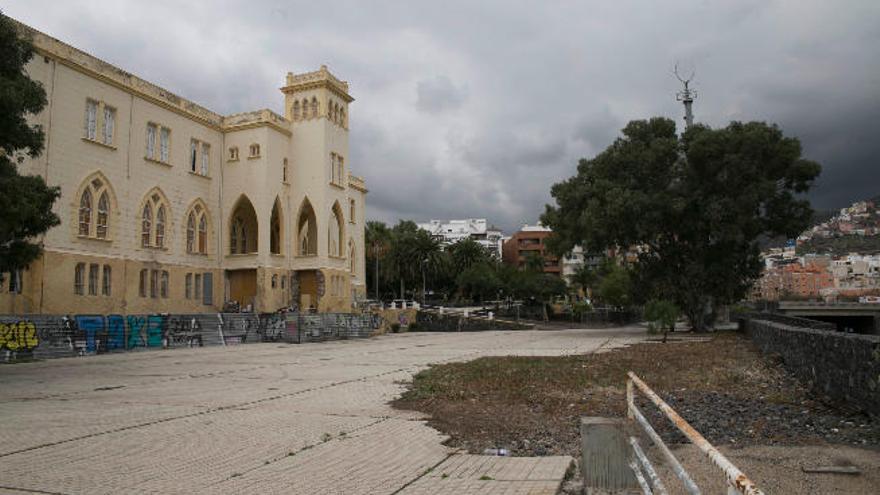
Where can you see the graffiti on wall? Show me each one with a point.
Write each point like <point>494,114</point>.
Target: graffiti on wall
<point>18,336</point>
<point>48,336</point>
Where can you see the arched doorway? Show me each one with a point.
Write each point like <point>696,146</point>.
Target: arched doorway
<point>243,227</point>
<point>307,230</point>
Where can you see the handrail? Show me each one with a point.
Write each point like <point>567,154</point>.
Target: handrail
<point>737,481</point>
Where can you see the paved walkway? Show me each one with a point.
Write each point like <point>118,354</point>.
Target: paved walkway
<point>259,418</point>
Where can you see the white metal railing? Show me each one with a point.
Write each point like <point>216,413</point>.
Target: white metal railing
<point>737,482</point>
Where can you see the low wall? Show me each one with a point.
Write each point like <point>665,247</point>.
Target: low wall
<point>436,322</point>
<point>25,337</point>
<point>384,318</point>
<point>843,366</point>
<point>318,327</point>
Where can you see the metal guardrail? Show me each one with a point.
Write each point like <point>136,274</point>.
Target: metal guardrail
<point>737,481</point>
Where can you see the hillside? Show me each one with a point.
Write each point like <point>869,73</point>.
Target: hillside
<point>855,229</point>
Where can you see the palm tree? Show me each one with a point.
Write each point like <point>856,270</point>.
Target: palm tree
<point>585,277</point>
<point>467,253</point>
<point>378,240</point>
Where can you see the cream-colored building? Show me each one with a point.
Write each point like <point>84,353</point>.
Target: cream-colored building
<point>167,206</point>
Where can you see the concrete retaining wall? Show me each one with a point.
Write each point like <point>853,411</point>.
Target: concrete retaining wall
<point>843,366</point>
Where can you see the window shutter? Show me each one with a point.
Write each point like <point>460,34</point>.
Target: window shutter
<point>208,289</point>
<point>109,116</point>
<point>164,136</point>
<point>151,141</point>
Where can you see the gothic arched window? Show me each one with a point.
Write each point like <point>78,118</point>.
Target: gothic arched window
<point>146,225</point>
<point>85,213</point>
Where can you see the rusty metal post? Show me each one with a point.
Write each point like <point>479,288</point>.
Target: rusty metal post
<point>676,466</point>
<point>736,479</point>
<point>657,485</point>
<point>640,478</point>
<point>630,397</point>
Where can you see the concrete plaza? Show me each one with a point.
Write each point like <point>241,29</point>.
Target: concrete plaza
<point>260,418</point>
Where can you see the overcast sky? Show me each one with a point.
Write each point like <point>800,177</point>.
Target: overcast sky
<point>475,108</point>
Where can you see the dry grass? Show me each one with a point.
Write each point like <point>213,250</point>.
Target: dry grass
<point>531,405</point>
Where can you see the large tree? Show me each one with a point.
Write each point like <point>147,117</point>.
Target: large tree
<point>25,200</point>
<point>696,205</point>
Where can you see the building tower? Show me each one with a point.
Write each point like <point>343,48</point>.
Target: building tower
<point>686,96</point>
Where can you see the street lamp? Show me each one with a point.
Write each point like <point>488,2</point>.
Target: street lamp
<point>424,264</point>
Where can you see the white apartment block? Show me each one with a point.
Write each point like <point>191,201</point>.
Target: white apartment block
<point>478,229</point>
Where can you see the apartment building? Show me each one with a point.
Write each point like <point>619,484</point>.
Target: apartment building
<point>529,241</point>
<point>478,229</point>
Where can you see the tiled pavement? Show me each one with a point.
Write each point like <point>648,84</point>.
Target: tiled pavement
<point>259,418</point>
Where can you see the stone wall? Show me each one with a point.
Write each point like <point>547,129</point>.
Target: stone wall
<point>843,366</point>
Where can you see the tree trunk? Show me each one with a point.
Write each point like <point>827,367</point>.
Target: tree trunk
<point>696,315</point>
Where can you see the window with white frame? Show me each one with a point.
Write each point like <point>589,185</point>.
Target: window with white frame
<point>158,142</point>
<point>100,116</point>
<point>152,138</point>
<point>164,144</point>
<point>91,119</point>
<point>109,127</point>
<point>206,153</point>
<point>199,157</point>
<point>193,155</point>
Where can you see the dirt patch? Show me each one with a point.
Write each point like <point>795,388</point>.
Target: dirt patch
<point>721,385</point>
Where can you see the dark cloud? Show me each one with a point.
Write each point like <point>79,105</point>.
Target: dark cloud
<point>438,94</point>
<point>474,109</point>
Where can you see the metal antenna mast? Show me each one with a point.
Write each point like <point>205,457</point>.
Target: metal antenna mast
<point>686,96</point>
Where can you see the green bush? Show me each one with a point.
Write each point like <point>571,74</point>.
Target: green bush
<point>413,327</point>
<point>581,308</point>
<point>395,327</point>
<point>661,314</point>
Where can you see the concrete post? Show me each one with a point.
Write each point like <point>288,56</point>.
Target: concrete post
<point>606,456</point>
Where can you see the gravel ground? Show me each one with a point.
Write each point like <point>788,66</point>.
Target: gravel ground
<point>727,419</point>
<point>721,385</point>
<point>742,402</point>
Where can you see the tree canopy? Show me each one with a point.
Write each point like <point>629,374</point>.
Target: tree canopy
<point>696,204</point>
<point>25,200</point>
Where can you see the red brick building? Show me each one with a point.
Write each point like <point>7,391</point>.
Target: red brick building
<point>527,241</point>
